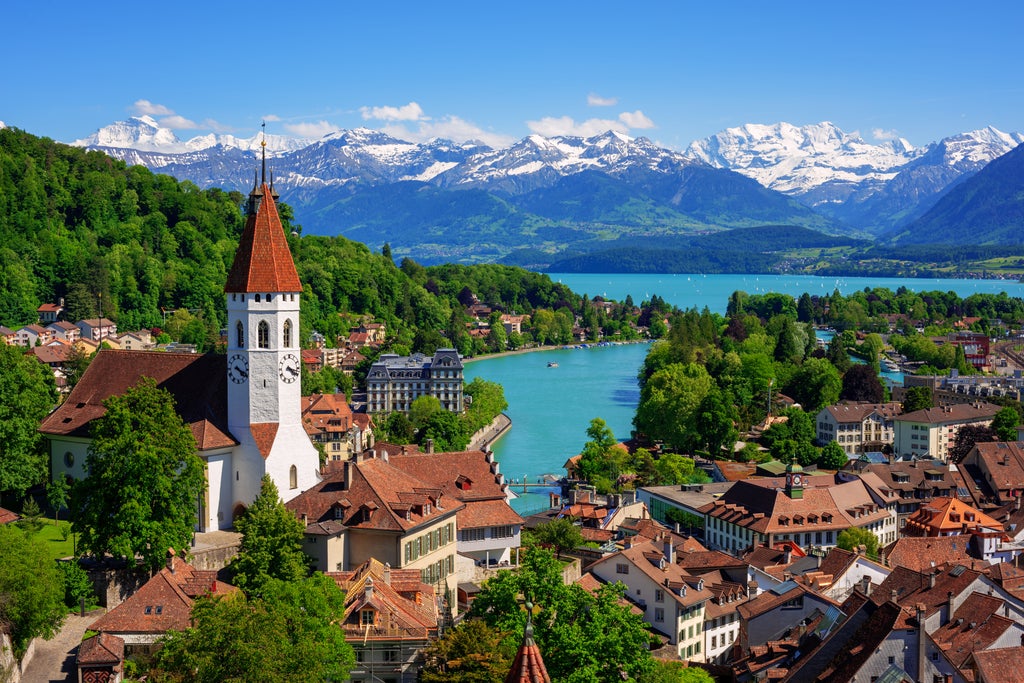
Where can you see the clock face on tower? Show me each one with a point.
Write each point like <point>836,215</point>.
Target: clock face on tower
<point>289,368</point>
<point>798,480</point>
<point>238,368</point>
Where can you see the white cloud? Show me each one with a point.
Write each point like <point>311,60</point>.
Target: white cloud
<point>178,123</point>
<point>595,100</point>
<point>311,129</point>
<point>408,112</point>
<point>880,134</point>
<point>551,126</point>
<point>271,117</point>
<point>449,128</point>
<point>636,119</point>
<point>147,108</point>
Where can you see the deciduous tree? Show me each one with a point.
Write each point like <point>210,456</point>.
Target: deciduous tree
<point>271,546</point>
<point>850,539</point>
<point>144,479</point>
<point>861,383</point>
<point>31,589</point>
<point>917,398</point>
<point>472,652</point>
<point>27,394</point>
<point>1005,422</point>
<point>560,534</point>
<point>289,634</point>
<point>833,457</point>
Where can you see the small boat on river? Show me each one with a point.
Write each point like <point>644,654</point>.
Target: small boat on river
<point>552,364</point>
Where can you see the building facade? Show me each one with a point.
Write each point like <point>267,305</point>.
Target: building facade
<point>394,382</point>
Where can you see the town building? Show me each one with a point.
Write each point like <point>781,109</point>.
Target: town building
<point>858,427</point>
<point>97,329</point>
<point>390,616</point>
<point>244,409</point>
<point>810,512</point>
<point>50,313</point>
<point>371,509</point>
<point>1000,466</point>
<point>33,334</point>
<point>930,433</point>
<point>672,599</point>
<point>65,330</point>
<point>329,421</point>
<point>393,382</point>
<point>916,482</point>
<point>162,604</point>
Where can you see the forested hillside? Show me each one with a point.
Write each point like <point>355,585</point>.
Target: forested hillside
<point>148,251</point>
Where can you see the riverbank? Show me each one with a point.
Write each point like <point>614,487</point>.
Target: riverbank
<point>489,435</point>
<point>550,347</point>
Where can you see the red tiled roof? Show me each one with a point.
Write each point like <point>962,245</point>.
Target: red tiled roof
<point>6,516</point>
<point>164,603</point>
<point>197,382</point>
<point>102,648</point>
<point>1004,664</point>
<point>264,433</point>
<point>404,606</point>
<point>263,262</point>
<point>528,666</point>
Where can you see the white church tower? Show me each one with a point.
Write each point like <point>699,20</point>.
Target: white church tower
<point>264,360</point>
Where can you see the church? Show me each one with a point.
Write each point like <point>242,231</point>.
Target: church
<point>244,408</point>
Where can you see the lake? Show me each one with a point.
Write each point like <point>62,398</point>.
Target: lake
<point>551,407</point>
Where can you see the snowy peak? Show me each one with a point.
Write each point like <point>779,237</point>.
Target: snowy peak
<point>978,147</point>
<point>796,159</point>
<point>145,134</point>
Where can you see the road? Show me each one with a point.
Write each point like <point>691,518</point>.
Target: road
<point>56,660</point>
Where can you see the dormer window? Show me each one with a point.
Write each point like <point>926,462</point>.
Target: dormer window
<point>426,509</point>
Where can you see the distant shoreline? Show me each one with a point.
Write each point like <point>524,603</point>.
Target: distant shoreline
<point>551,347</point>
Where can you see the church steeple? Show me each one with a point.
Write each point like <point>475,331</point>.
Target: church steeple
<point>263,262</point>
<point>528,666</point>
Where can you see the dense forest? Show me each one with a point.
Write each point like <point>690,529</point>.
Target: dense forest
<point>148,251</point>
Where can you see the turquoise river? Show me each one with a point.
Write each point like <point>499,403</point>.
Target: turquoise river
<point>551,407</point>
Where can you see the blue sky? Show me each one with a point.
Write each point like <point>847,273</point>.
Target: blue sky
<point>671,71</point>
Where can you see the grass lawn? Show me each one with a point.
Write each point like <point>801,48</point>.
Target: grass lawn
<point>50,534</point>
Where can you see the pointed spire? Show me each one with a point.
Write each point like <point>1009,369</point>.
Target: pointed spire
<point>263,152</point>
<point>528,666</point>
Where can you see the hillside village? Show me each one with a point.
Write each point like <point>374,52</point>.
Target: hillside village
<point>764,583</point>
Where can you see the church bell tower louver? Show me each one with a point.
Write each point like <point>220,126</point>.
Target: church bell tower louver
<point>264,359</point>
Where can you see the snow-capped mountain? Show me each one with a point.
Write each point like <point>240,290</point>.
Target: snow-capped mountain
<point>870,186</point>
<point>796,160</point>
<point>145,134</point>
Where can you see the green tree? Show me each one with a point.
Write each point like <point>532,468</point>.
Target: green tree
<point>271,546</point>
<point>837,354</point>
<point>833,457</point>
<point>57,493</point>
<point>666,671</point>
<point>1005,422</point>
<point>31,589</point>
<point>422,409</point>
<point>144,478</point>
<point>716,424</point>
<point>917,398</point>
<point>673,468</point>
<point>289,634</point>
<point>472,652</point>
<point>447,432</point>
<point>966,438</point>
<point>815,384</point>
<point>560,534</point>
<point>585,638</point>
<point>77,584</point>
<point>397,428</point>
<point>668,401</point>
<point>850,539</point>
<point>27,394</point>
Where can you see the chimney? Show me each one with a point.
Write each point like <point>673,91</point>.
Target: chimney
<point>931,579</point>
<point>894,595</point>
<point>368,589</point>
<point>430,445</point>
<point>170,559</point>
<point>865,585</point>
<point>669,551</point>
<point>787,556</point>
<point>347,480</point>
<point>387,573</point>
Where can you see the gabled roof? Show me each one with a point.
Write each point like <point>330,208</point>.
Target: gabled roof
<point>943,516</point>
<point>951,414</point>
<point>1004,664</point>
<point>649,558</point>
<point>197,382</point>
<point>404,606</point>
<point>263,262</point>
<point>858,411</point>
<point>975,625</point>
<point>373,494</point>
<point>910,588</point>
<point>101,649</point>
<point>164,603</point>
<point>919,552</point>
<point>1004,464</point>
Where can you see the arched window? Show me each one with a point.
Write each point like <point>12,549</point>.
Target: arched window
<point>257,298</point>
<point>293,477</point>
<point>287,334</point>
<point>240,335</point>
<point>263,335</point>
